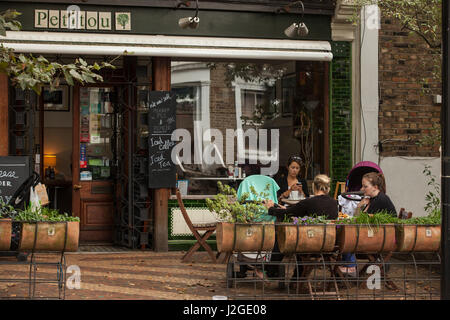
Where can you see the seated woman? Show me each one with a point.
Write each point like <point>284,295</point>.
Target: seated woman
<point>293,181</point>
<point>320,204</point>
<point>376,200</point>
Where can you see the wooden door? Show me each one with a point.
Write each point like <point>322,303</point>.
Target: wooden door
<point>92,160</point>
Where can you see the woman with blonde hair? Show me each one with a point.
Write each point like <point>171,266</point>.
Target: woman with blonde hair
<point>320,204</point>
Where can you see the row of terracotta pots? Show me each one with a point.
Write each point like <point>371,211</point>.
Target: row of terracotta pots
<point>323,238</point>
<point>42,236</point>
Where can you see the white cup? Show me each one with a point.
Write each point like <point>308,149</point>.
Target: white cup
<point>220,298</point>
<point>295,195</point>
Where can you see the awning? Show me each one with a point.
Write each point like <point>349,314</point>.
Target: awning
<point>166,46</point>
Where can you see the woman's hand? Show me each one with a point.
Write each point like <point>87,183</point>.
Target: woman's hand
<point>269,204</point>
<point>298,187</point>
<point>363,202</point>
<point>286,194</point>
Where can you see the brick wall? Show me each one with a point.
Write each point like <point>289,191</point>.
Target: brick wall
<point>222,103</point>
<point>406,110</point>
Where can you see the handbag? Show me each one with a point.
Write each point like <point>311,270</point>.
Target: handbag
<point>41,193</point>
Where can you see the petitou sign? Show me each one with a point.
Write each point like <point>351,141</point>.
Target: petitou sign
<point>80,20</point>
<point>14,171</point>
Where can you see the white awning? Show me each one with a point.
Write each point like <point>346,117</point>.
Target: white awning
<point>166,46</point>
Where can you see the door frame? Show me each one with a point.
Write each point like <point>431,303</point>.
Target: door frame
<point>76,194</point>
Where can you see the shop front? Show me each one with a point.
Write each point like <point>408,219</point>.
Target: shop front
<point>239,92</point>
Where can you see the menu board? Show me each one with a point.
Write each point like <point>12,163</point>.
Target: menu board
<point>161,124</point>
<point>14,170</point>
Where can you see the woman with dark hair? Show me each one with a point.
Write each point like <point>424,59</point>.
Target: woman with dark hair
<point>376,200</point>
<point>293,181</point>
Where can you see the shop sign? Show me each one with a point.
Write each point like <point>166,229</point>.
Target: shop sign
<point>82,20</point>
<point>14,170</point>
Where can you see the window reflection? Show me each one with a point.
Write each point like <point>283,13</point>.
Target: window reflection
<point>288,96</point>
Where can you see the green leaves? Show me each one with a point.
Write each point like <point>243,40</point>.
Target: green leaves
<point>229,209</point>
<point>45,214</point>
<point>6,210</point>
<point>432,198</point>
<point>8,22</point>
<point>384,217</point>
<point>29,72</point>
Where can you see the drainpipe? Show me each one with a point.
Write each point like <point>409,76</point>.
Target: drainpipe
<point>445,143</point>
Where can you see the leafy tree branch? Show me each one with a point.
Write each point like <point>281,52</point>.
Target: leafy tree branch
<point>29,72</point>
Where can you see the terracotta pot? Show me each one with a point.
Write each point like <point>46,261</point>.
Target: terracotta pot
<point>5,234</point>
<point>418,238</point>
<point>50,236</point>
<point>366,239</point>
<point>244,237</point>
<point>313,238</point>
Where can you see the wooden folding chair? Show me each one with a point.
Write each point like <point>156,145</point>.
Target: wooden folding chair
<point>342,186</point>
<point>195,228</point>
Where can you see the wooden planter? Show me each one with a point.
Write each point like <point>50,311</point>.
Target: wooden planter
<point>299,238</point>
<point>5,234</point>
<point>245,237</point>
<point>418,238</point>
<point>366,239</point>
<point>51,236</point>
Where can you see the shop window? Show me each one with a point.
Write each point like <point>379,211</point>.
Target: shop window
<point>96,131</point>
<point>188,105</point>
<point>251,99</point>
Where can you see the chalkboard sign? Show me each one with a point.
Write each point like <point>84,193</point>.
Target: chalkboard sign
<point>161,124</point>
<point>14,170</point>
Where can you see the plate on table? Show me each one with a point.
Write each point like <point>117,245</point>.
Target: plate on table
<point>290,201</point>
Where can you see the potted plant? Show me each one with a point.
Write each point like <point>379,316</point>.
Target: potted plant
<point>306,234</point>
<point>6,211</point>
<point>366,233</point>
<point>244,225</point>
<point>47,230</point>
<point>420,234</point>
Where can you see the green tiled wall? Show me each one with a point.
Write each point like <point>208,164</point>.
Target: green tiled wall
<point>341,112</point>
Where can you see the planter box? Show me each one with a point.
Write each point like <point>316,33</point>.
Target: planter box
<point>245,237</point>
<point>418,238</point>
<point>50,236</point>
<point>366,239</point>
<point>5,234</point>
<point>300,238</point>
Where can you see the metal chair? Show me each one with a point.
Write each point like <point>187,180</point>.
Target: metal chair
<point>209,229</point>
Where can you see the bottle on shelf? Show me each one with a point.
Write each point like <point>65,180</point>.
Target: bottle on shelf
<point>107,101</point>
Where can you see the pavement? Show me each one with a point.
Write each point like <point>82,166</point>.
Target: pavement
<point>147,275</point>
<point>128,275</point>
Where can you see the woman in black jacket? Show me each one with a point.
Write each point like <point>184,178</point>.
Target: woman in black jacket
<point>376,200</point>
<point>321,204</point>
<point>293,181</point>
